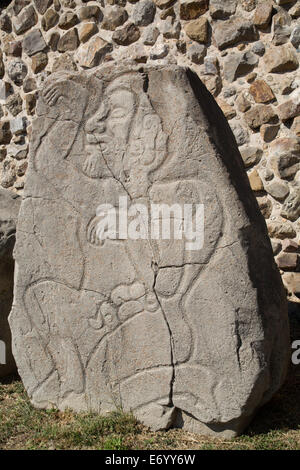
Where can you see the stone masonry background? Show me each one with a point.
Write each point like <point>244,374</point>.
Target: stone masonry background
<point>245,51</point>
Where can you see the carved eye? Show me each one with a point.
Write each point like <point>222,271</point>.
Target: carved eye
<point>118,113</point>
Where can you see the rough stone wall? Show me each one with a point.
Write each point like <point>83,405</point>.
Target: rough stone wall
<point>245,51</point>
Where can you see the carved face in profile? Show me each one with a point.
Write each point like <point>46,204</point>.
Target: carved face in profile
<point>121,112</point>
<point>126,131</point>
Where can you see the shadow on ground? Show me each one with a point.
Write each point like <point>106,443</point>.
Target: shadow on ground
<point>283,411</point>
<point>10,379</point>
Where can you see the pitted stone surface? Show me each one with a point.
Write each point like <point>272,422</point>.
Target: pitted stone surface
<point>235,43</point>
<point>9,208</point>
<point>194,339</point>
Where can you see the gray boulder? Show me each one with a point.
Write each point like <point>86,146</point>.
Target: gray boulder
<point>231,32</point>
<point>34,42</point>
<point>9,208</point>
<point>220,9</point>
<point>238,64</point>
<point>143,13</point>
<point>189,332</point>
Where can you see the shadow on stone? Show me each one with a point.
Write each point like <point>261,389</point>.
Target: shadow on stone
<point>283,411</point>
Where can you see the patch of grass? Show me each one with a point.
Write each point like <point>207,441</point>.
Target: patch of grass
<point>276,425</point>
<point>24,427</point>
<point>114,443</point>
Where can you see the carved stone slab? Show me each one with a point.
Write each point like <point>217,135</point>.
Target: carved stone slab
<point>9,208</point>
<point>188,338</point>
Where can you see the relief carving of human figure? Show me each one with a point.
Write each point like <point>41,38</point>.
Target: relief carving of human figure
<point>126,138</point>
<point>141,327</point>
<point>111,319</point>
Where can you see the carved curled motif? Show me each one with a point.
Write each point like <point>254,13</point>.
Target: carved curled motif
<point>141,323</point>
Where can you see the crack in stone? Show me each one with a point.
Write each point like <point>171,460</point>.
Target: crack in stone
<point>155,272</point>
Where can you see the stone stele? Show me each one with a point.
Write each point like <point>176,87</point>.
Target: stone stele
<point>9,208</point>
<point>196,339</point>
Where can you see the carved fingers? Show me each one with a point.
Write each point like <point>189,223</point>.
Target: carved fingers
<point>52,93</point>
<point>90,166</point>
<point>92,234</point>
<point>74,97</point>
